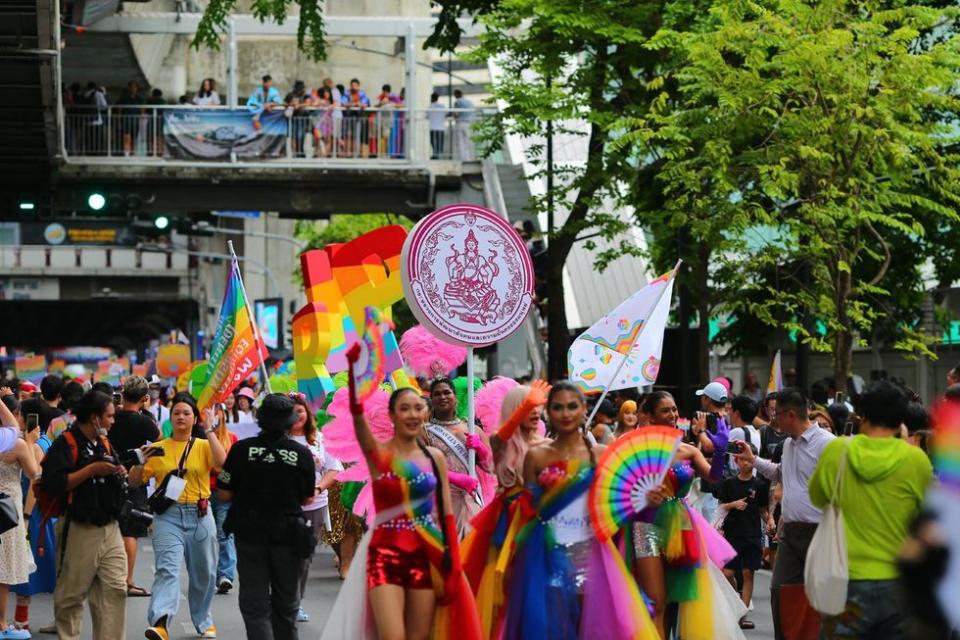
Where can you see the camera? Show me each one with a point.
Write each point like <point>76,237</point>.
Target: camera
<point>130,511</point>
<point>133,457</point>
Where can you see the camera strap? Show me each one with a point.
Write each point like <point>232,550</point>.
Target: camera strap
<point>183,458</point>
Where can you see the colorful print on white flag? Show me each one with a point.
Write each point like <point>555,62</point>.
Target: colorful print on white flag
<point>633,331</point>
<point>776,375</point>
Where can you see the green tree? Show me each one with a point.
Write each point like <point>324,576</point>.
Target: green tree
<point>833,123</point>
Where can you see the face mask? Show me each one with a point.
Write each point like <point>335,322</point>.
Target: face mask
<point>100,429</point>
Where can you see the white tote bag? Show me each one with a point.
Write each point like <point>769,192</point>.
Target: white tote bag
<point>826,571</point>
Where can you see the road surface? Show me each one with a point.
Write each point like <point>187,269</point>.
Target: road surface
<point>321,593</point>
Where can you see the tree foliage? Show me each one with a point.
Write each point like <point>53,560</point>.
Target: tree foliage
<point>831,122</point>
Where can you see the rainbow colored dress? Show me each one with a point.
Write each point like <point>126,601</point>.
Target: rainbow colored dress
<point>405,503</point>
<point>562,585</point>
<point>695,554</point>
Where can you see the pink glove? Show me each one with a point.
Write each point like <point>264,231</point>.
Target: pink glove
<point>463,481</point>
<point>484,454</point>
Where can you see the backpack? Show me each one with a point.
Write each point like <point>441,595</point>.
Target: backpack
<point>54,505</point>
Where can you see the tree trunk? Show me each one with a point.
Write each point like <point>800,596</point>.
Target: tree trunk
<point>843,338</point>
<point>702,287</point>
<point>558,334</point>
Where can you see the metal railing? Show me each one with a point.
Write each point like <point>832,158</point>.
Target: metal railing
<point>160,134</point>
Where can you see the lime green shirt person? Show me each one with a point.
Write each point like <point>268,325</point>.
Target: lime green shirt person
<point>883,488</point>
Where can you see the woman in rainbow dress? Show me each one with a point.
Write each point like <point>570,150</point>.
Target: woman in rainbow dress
<point>563,583</point>
<point>406,580</point>
<point>677,555</point>
<point>485,556</point>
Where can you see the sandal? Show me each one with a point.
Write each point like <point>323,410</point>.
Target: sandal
<point>746,623</point>
<point>133,591</point>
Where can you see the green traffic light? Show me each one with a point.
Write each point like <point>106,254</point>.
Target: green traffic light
<point>161,222</point>
<point>27,206</point>
<point>96,201</point>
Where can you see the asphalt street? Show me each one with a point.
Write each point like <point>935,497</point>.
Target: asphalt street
<point>321,593</point>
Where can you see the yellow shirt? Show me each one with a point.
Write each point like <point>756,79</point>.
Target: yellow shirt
<point>197,467</point>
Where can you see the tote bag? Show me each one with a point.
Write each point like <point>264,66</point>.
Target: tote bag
<point>826,571</point>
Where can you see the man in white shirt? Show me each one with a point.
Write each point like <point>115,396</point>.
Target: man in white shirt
<point>437,117</point>
<point>801,452</point>
<point>157,411</point>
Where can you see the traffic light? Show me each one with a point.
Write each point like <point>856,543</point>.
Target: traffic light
<point>96,201</point>
<point>161,222</point>
<point>27,205</point>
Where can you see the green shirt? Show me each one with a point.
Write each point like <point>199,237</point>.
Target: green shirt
<point>882,491</point>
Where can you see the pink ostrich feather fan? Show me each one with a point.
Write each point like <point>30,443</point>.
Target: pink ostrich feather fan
<point>338,434</point>
<point>489,400</point>
<point>428,356</point>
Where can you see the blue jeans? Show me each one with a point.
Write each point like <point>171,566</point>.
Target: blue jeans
<point>227,549</point>
<point>180,534</point>
<point>873,612</point>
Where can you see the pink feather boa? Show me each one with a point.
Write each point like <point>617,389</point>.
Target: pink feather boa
<point>428,356</point>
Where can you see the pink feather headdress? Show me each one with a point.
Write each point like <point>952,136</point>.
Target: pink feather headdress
<point>488,401</point>
<point>428,356</point>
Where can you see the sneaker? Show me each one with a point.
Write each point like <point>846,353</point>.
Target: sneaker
<point>156,633</point>
<point>12,633</point>
<point>302,616</point>
<point>211,632</point>
<point>224,585</point>
<point>50,629</point>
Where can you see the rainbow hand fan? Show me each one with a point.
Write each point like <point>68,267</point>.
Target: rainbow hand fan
<point>370,368</point>
<point>632,466</point>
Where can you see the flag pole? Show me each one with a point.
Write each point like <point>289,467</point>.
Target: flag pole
<point>253,319</point>
<point>626,357</point>
<point>471,410</point>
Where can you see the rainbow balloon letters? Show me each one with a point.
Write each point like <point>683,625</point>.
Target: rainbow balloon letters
<point>341,281</point>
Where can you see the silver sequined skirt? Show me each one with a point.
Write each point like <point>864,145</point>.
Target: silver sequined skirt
<point>579,556</point>
<point>647,540</point>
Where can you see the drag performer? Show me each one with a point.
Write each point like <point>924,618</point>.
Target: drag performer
<point>406,580</point>
<point>450,435</point>
<point>678,556</point>
<point>485,555</point>
<point>563,582</point>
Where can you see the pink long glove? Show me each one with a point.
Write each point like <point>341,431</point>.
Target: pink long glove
<point>463,481</point>
<point>484,454</point>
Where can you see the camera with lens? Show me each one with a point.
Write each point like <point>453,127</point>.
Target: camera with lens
<point>130,510</point>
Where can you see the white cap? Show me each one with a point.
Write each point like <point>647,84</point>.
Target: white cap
<point>715,391</point>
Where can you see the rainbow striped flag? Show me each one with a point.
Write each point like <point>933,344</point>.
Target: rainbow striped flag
<point>235,352</point>
<point>776,375</point>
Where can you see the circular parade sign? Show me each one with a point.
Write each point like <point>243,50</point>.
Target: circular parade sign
<point>467,275</point>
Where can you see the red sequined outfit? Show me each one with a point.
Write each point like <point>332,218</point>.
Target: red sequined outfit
<point>396,555</point>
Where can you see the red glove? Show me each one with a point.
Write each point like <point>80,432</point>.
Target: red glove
<point>539,390</point>
<point>453,580</point>
<point>356,405</point>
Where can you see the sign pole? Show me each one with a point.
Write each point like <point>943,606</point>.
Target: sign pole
<point>253,322</point>
<point>471,411</point>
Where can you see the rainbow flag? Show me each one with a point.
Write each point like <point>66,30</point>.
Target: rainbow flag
<point>235,352</point>
<point>776,375</point>
<point>31,368</point>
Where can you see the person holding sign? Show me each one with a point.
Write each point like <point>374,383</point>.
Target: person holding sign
<point>448,433</point>
<point>184,527</point>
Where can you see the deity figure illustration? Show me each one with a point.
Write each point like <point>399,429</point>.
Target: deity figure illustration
<point>469,293</point>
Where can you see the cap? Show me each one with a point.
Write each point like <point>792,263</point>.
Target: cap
<point>247,392</point>
<point>157,381</point>
<point>715,391</point>
<point>28,386</point>
<point>135,386</point>
<point>276,412</point>
<point>724,382</point>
